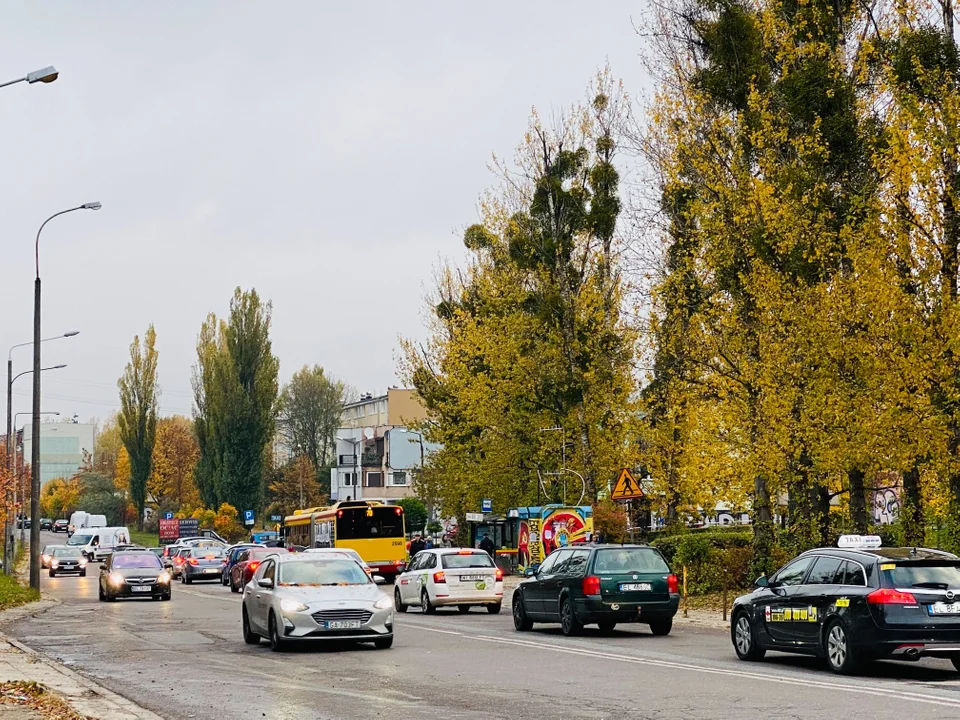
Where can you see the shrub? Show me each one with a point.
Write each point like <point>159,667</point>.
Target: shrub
<point>712,558</point>
<point>610,520</point>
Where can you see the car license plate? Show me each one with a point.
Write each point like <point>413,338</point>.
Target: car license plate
<point>634,587</point>
<point>941,608</point>
<point>342,624</point>
<point>471,578</point>
<point>140,588</point>
<point>210,570</point>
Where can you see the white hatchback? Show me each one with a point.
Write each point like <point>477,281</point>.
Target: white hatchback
<point>449,576</point>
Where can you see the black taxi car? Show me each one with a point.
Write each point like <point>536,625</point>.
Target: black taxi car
<point>854,603</point>
<point>602,584</point>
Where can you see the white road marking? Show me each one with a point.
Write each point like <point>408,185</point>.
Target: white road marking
<point>436,630</point>
<point>221,598</point>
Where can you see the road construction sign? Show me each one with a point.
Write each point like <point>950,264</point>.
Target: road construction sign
<point>627,487</point>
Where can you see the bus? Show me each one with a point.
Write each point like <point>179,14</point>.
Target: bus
<point>373,529</point>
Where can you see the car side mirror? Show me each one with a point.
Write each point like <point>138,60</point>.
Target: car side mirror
<point>265,582</point>
<point>530,572</point>
<point>379,579</point>
<point>761,582</point>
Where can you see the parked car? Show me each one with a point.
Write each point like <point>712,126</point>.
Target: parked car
<point>247,564</point>
<point>45,554</point>
<point>232,556</point>
<point>450,576</point>
<point>46,524</point>
<point>201,563</point>
<point>299,597</point>
<point>67,560</point>
<point>602,584</point>
<point>133,573</point>
<point>60,525</point>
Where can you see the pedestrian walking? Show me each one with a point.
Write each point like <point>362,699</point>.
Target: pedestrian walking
<point>428,543</point>
<point>416,545</point>
<point>486,544</point>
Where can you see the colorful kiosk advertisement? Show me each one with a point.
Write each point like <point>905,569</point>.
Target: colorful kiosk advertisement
<point>541,530</point>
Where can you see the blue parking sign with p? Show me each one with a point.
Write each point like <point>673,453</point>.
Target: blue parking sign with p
<point>248,516</point>
<point>168,516</point>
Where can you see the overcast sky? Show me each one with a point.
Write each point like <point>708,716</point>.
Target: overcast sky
<point>327,156</point>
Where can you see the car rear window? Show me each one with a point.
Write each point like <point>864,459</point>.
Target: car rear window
<point>629,560</point>
<point>451,561</point>
<point>941,575</point>
<point>207,553</point>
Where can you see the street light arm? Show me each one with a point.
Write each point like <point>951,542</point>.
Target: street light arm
<point>37,245</point>
<point>27,372</point>
<point>13,82</point>
<point>72,333</point>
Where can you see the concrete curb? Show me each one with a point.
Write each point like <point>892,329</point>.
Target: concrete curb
<point>94,701</point>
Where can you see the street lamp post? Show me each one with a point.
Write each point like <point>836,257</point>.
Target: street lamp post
<point>44,75</point>
<point>9,523</point>
<point>35,445</point>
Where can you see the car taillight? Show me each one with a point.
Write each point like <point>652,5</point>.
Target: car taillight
<point>888,596</point>
<point>253,566</point>
<point>499,574</point>
<point>439,577</point>
<point>465,552</point>
<point>591,585</point>
<point>193,561</point>
<point>178,560</point>
<point>673,585</point>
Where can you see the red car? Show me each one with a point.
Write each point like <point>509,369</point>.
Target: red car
<point>247,565</point>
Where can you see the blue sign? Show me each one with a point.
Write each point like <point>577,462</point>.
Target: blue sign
<point>486,505</point>
<point>168,516</point>
<point>248,517</point>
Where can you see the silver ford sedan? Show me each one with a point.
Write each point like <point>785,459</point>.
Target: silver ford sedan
<point>299,597</point>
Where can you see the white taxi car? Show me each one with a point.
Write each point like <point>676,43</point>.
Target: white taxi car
<point>450,576</point>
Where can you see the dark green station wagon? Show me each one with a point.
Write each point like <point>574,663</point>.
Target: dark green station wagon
<point>599,584</point>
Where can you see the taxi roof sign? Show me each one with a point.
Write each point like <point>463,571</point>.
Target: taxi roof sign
<point>859,541</point>
<point>627,487</point>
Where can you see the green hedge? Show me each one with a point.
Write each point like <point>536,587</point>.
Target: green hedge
<point>712,558</point>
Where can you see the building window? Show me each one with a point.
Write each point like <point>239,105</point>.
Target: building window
<point>375,479</point>
<point>349,479</point>
<point>399,478</point>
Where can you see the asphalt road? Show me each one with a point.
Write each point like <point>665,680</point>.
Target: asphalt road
<point>186,659</point>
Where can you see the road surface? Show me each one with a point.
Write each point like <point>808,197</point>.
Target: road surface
<point>186,659</point>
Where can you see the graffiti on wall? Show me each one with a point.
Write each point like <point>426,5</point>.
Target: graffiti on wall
<point>886,506</point>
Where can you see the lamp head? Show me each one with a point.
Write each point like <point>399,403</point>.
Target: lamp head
<point>46,75</point>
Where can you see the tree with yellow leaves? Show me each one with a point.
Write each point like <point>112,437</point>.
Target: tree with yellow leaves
<point>175,455</point>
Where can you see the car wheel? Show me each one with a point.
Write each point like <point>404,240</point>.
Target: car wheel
<point>838,649</point>
<point>745,640</point>
<point>400,607</point>
<point>233,588</point>
<point>494,609</point>
<point>520,620</point>
<point>425,604</point>
<point>383,643</point>
<point>53,573</point>
<point>165,598</point>
<point>661,626</point>
<point>955,659</point>
<point>277,643</point>
<point>463,608</point>
<point>568,619</point>
<point>187,580</point>
<point>606,626</point>
<point>249,637</point>
<point>83,573</point>
<point>100,594</point>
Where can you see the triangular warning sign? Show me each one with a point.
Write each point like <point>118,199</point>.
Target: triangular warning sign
<point>627,487</point>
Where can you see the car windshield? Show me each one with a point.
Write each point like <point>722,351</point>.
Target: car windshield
<point>629,560</point>
<point>938,577</point>
<point>66,552</point>
<point>322,572</point>
<point>136,560</point>
<point>79,539</point>
<point>453,561</point>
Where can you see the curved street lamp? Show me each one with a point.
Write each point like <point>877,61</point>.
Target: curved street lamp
<point>35,446</point>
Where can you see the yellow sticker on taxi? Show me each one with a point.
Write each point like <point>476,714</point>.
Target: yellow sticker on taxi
<point>888,566</point>
<point>843,602</point>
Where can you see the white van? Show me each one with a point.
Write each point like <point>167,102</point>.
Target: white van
<point>81,519</point>
<point>98,543</point>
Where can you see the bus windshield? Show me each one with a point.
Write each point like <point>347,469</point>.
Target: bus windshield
<point>355,524</point>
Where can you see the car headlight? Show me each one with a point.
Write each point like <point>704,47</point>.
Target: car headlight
<point>163,577</point>
<point>83,562</point>
<point>116,578</point>
<point>54,563</point>
<point>384,603</point>
<point>291,605</point>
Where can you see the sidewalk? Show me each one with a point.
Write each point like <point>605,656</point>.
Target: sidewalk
<point>18,662</point>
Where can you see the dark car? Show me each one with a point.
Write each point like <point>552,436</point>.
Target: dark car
<point>65,559</point>
<point>46,554</point>
<point>133,573</point>
<point>850,605</point>
<point>46,524</point>
<point>201,563</point>
<point>233,555</point>
<point>601,584</point>
<point>247,564</point>
<point>60,525</point>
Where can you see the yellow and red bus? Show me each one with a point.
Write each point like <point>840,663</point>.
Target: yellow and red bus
<point>373,529</point>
